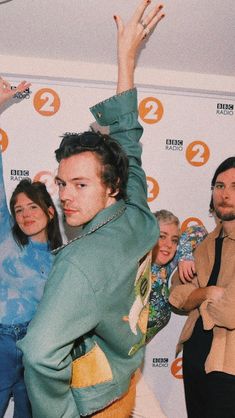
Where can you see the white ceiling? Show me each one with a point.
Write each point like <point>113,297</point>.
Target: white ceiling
<point>196,36</point>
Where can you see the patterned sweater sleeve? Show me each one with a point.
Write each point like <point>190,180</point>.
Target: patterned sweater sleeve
<point>4,212</point>
<point>189,240</point>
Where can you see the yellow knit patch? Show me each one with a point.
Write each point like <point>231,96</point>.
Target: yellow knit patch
<point>91,369</point>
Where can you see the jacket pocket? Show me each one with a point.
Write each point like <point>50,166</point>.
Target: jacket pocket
<point>91,369</point>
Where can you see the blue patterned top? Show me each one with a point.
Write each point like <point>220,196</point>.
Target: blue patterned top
<point>159,309</point>
<point>23,271</point>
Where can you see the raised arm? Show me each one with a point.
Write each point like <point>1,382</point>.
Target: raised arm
<point>189,240</point>
<point>4,212</point>
<point>5,95</point>
<point>119,114</point>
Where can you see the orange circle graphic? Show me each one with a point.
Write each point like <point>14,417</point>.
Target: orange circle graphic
<point>153,188</point>
<point>46,102</point>
<point>150,110</point>
<point>176,368</point>
<point>3,140</point>
<point>189,222</point>
<point>48,178</point>
<point>197,153</point>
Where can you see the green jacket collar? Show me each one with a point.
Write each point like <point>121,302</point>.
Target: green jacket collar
<point>102,218</point>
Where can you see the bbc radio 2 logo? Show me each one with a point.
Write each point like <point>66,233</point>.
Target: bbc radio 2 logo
<point>160,362</point>
<point>46,102</point>
<point>176,367</point>
<point>226,109</point>
<point>174,145</point>
<point>22,94</point>
<point>17,175</point>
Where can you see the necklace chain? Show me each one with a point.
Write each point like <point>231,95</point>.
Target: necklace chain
<point>114,216</point>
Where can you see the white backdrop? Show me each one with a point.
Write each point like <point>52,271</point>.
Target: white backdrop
<point>186,135</point>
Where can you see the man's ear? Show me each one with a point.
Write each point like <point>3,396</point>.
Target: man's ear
<point>113,194</point>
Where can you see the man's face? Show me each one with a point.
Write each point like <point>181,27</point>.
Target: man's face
<point>224,195</point>
<point>81,190</point>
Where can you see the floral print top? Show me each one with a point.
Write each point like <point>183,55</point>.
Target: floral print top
<point>159,307</point>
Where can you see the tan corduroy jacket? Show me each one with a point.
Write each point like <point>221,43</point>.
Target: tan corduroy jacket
<point>216,315</point>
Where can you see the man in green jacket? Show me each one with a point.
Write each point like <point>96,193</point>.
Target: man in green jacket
<point>87,339</point>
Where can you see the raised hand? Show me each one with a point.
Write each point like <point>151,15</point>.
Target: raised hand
<point>6,93</point>
<point>130,37</point>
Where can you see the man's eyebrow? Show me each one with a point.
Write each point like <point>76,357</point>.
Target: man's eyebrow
<point>222,182</point>
<point>73,179</point>
<point>79,178</point>
<point>58,178</point>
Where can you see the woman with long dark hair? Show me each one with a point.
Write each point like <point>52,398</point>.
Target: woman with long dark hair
<point>28,234</point>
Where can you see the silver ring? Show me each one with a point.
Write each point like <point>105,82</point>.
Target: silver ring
<point>143,24</point>
<point>146,32</point>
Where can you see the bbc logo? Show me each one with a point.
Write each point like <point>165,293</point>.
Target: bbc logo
<point>24,173</point>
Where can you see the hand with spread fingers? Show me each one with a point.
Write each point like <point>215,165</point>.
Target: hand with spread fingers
<point>131,36</point>
<point>6,93</point>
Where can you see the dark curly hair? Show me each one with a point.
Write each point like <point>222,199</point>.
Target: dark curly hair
<point>37,192</point>
<point>111,156</point>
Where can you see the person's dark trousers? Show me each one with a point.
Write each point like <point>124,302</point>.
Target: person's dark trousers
<point>209,395</point>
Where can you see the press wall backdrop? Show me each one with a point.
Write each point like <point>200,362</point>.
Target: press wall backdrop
<point>186,135</point>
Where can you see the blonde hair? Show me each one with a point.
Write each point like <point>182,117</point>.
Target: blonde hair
<point>166,216</point>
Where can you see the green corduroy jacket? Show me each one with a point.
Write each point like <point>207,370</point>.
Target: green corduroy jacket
<point>87,338</point>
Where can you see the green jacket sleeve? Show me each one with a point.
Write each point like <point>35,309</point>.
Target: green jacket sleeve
<point>120,118</point>
<point>61,318</point>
